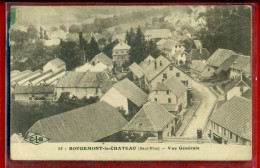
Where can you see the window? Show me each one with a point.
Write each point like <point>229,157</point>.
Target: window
<point>241,89</point>
<point>122,51</point>
<point>230,135</point>
<point>225,132</point>
<point>168,132</point>
<point>236,139</point>
<point>208,69</point>
<point>162,80</point>
<point>177,74</point>
<point>155,99</point>
<point>160,63</point>
<point>171,68</point>
<point>169,100</point>
<point>167,92</point>
<point>165,75</point>
<point>96,90</point>
<point>116,52</point>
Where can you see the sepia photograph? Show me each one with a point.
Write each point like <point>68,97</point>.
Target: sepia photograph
<point>130,82</point>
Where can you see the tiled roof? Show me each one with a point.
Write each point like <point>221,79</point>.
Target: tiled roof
<point>102,57</point>
<point>57,62</point>
<point>53,75</point>
<point>86,124</point>
<point>247,94</point>
<point>37,89</point>
<point>178,53</point>
<point>219,56</point>
<point>149,57</point>
<point>161,42</point>
<point>84,67</point>
<point>28,75</point>
<point>137,70</point>
<point>175,86</point>
<point>152,117</point>
<point>235,82</point>
<point>18,75</point>
<point>226,64</point>
<point>83,79</point>
<point>169,44</point>
<point>241,62</point>
<point>99,67</point>
<point>42,74</point>
<point>149,69</point>
<point>198,66</point>
<point>158,33</point>
<point>170,107</point>
<point>236,116</point>
<point>199,54</point>
<point>131,91</point>
<point>121,46</point>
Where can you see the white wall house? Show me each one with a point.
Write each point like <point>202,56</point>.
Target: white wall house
<point>55,65</point>
<point>120,54</point>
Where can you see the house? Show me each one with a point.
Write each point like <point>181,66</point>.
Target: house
<point>37,79</point>
<point>152,120</point>
<point>201,70</point>
<point>157,34</point>
<point>39,92</point>
<point>23,79</point>
<point>55,65</point>
<point>99,67</point>
<point>180,57</point>
<point>218,57</point>
<point>53,79</point>
<point>90,123</point>
<point>201,54</point>
<point>235,87</point>
<point>241,65</point>
<point>160,70</point>
<point>171,94</point>
<point>102,57</point>
<point>170,47</point>
<point>125,94</point>
<point>137,73</point>
<point>231,123</point>
<point>86,67</point>
<point>83,84</point>
<point>19,75</point>
<point>121,54</point>
<point>149,59</point>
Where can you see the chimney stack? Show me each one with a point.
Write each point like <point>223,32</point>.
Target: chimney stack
<point>200,50</point>
<point>199,135</point>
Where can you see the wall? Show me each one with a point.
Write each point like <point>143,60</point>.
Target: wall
<point>162,97</point>
<point>115,99</point>
<point>207,72</point>
<point>27,96</point>
<point>235,92</point>
<point>54,69</point>
<point>80,92</point>
<point>168,128</point>
<point>233,73</point>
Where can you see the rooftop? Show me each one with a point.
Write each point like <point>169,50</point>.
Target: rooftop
<point>86,124</point>
<point>37,89</point>
<point>131,91</point>
<point>155,68</point>
<point>236,116</point>
<point>121,46</point>
<point>158,33</point>
<point>199,54</point>
<point>137,70</point>
<point>219,56</point>
<point>57,62</point>
<point>152,117</point>
<point>239,81</point>
<point>102,57</point>
<point>198,66</point>
<point>83,79</point>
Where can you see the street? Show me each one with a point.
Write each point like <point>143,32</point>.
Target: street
<point>200,118</point>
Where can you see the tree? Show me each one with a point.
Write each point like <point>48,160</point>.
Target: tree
<point>71,54</point>
<point>228,27</point>
<point>152,49</point>
<point>41,33</point>
<point>63,27</point>
<point>108,49</point>
<point>74,29</point>
<point>138,50</point>
<point>32,32</point>
<point>92,49</point>
<point>130,36</point>
<point>45,35</point>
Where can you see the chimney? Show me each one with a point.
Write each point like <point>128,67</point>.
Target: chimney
<point>80,40</point>
<point>155,64</point>
<point>199,135</point>
<point>200,50</point>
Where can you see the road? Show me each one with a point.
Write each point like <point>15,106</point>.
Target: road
<point>201,116</point>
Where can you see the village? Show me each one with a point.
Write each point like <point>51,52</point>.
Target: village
<point>181,95</point>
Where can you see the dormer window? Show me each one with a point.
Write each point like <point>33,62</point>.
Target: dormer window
<point>160,63</point>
